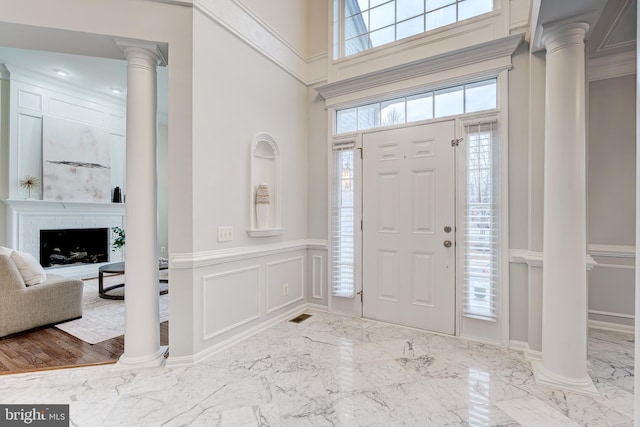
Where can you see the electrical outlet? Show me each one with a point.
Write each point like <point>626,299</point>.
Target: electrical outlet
<point>285,289</point>
<point>225,234</point>
<point>163,250</point>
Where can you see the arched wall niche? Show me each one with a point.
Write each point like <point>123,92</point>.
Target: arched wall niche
<point>265,170</point>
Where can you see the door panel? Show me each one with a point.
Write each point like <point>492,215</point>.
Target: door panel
<point>408,199</point>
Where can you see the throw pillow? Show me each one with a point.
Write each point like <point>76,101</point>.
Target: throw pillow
<point>5,251</point>
<point>30,269</point>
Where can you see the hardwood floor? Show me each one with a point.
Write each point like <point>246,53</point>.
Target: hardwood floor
<point>51,348</point>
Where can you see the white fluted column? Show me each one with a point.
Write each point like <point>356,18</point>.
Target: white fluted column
<point>142,330</point>
<point>564,299</point>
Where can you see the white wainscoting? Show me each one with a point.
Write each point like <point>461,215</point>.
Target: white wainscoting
<point>317,276</point>
<point>611,279</point>
<point>230,300</point>
<point>612,288</point>
<point>285,283</point>
<point>240,291</point>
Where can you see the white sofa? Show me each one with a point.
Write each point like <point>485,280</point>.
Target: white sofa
<point>26,307</point>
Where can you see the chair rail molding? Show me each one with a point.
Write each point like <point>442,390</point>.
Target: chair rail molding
<point>207,258</point>
<point>534,259</point>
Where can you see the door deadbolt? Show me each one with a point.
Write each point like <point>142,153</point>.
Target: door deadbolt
<point>447,229</point>
<point>447,243</point>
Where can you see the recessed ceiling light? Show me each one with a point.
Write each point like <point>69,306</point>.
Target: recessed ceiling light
<point>61,73</point>
<point>117,91</point>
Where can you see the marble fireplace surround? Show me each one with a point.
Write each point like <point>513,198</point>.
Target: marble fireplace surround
<point>25,219</point>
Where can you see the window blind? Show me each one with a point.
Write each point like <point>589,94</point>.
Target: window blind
<point>343,220</point>
<point>481,222</point>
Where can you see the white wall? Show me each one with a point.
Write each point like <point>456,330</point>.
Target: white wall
<point>241,93</point>
<point>518,189</point>
<point>611,198</point>
<point>611,169</point>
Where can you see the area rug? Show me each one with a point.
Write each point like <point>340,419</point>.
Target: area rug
<point>103,319</point>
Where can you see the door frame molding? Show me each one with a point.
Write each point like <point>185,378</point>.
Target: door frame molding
<point>493,332</point>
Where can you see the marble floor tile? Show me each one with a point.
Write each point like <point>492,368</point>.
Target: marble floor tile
<point>334,370</point>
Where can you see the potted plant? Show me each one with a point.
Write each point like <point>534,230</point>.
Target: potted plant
<point>118,240</point>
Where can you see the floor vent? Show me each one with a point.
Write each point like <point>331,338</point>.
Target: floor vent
<point>301,318</point>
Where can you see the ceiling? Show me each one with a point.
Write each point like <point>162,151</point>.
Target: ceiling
<point>612,23</point>
<point>93,62</point>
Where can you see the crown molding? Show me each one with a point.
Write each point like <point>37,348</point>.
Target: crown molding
<point>499,48</point>
<point>47,82</point>
<point>247,26</point>
<point>612,66</point>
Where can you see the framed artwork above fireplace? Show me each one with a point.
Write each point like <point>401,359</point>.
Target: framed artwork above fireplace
<point>76,164</point>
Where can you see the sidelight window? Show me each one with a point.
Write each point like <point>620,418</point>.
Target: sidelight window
<point>481,221</point>
<point>343,221</point>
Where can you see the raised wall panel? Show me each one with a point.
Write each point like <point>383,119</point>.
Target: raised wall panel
<point>29,100</point>
<point>316,276</point>
<point>423,279</point>
<point>76,112</point>
<point>388,152</point>
<point>423,148</point>
<point>388,275</point>
<point>117,123</point>
<point>423,201</point>
<point>289,273</point>
<point>229,300</point>
<point>388,202</point>
<point>29,151</point>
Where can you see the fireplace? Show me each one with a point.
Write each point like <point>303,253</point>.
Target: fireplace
<point>74,246</point>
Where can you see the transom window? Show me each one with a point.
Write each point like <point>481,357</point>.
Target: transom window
<point>450,101</point>
<point>371,23</point>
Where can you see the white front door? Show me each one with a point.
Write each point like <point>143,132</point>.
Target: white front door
<point>409,226</point>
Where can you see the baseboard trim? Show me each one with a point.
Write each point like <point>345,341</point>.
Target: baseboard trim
<point>609,326</point>
<point>318,307</point>
<point>523,347</point>
<point>185,361</point>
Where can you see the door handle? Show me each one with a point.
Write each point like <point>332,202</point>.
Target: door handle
<point>447,243</point>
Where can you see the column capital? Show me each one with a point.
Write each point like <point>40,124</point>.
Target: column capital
<point>558,36</point>
<point>141,50</point>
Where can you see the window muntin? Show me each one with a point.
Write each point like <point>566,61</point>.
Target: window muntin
<point>451,101</point>
<point>343,221</point>
<point>366,24</point>
<point>481,222</point>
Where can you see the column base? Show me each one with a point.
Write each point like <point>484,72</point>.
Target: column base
<point>153,361</point>
<point>546,378</point>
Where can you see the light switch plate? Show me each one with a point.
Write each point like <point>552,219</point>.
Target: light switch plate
<point>225,234</point>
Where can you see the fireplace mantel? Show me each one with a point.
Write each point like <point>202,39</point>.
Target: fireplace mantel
<point>25,219</point>
<point>46,205</point>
